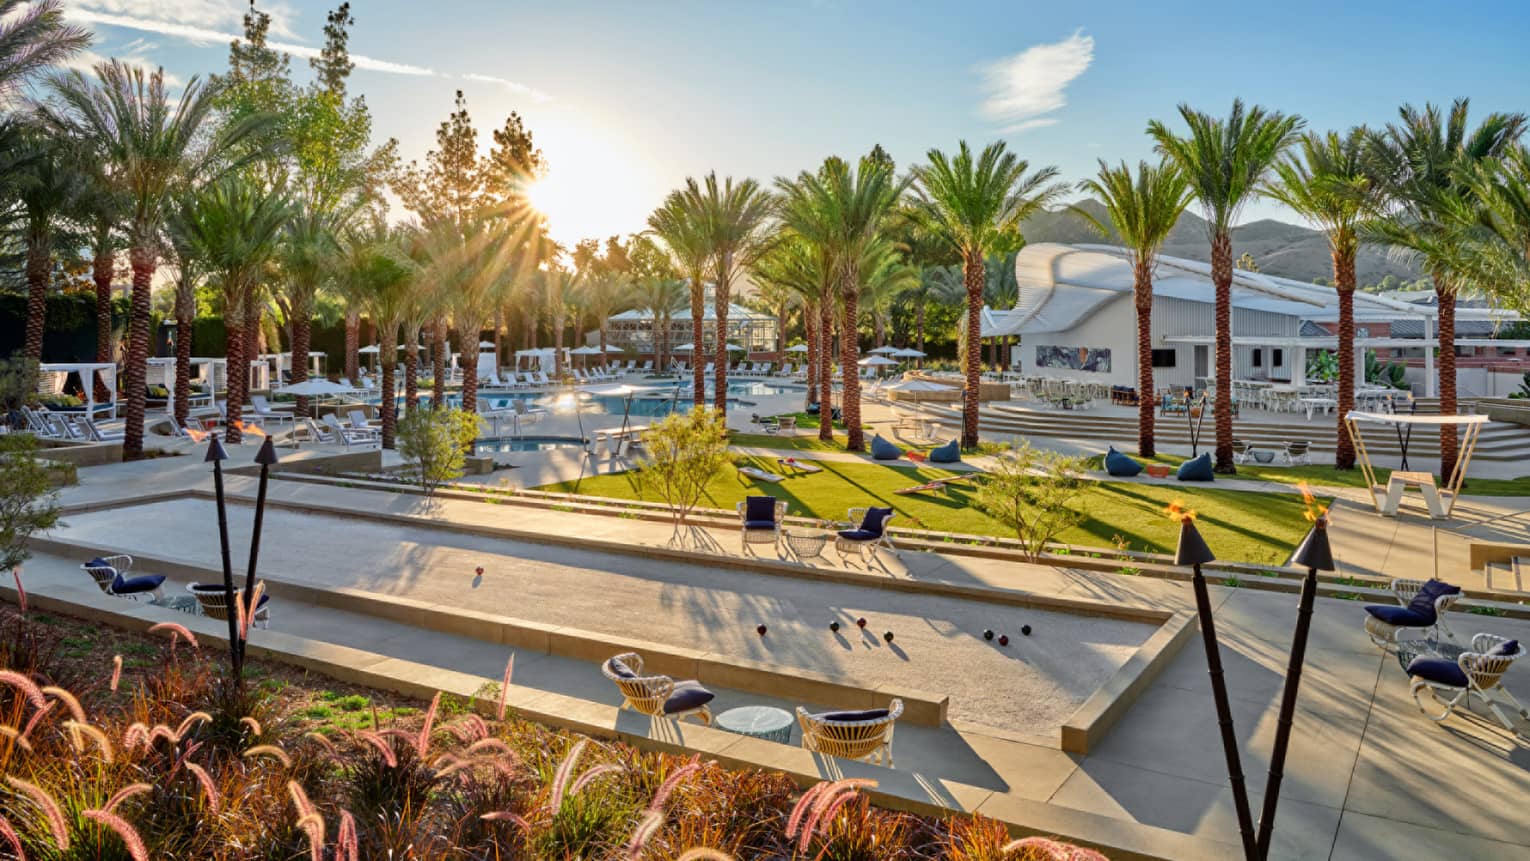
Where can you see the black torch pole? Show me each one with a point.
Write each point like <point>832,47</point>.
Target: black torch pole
<point>265,457</point>
<point>1193,550</point>
<point>1315,553</point>
<point>217,455</point>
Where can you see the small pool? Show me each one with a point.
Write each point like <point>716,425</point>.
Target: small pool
<point>528,443</point>
<point>659,403</point>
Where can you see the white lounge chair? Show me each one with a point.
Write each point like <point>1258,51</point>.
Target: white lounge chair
<point>859,735</point>
<point>359,421</point>
<point>525,414</point>
<point>264,410</point>
<point>647,366</point>
<point>350,435</point>
<point>94,432</point>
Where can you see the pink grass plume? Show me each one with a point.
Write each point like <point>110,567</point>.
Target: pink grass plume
<point>127,832</point>
<point>504,688</point>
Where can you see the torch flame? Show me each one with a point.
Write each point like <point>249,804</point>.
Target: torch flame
<point>1315,511</point>
<point>1177,511</point>
<point>196,435</point>
<point>252,429</point>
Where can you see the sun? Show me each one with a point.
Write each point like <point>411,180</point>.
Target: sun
<point>594,186</point>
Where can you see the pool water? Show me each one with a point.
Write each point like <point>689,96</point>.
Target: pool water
<point>528,443</point>
<point>658,403</point>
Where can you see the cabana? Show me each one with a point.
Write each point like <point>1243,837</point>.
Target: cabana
<point>205,371</point>
<point>60,372</point>
<point>545,358</point>
<point>1440,500</point>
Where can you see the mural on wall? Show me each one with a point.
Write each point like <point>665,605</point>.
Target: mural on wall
<point>1095,359</point>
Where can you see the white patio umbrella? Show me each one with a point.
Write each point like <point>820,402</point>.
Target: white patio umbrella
<point>684,348</point>
<point>797,348</point>
<point>884,350</point>
<point>584,351</point>
<point>612,348</point>
<point>737,348</point>
<point>485,345</point>
<point>876,362</point>
<point>908,353</point>
<point>370,349</point>
<point>914,384</point>
<point>315,388</point>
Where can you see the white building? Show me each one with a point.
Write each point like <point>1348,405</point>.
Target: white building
<point>1076,319</point>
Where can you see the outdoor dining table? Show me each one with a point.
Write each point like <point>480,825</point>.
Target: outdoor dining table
<point>1315,404</point>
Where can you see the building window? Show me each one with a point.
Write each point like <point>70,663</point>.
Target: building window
<point>1258,358</point>
<point>1277,358</point>
<point>1165,358</point>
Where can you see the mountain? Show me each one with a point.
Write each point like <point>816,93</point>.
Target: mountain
<point>1280,249</point>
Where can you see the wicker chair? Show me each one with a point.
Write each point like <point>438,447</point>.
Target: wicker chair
<point>865,736</point>
<point>1383,624</point>
<point>1478,671</point>
<point>863,537</point>
<point>656,696</point>
<point>210,596</point>
<point>112,575</point>
<point>760,530</point>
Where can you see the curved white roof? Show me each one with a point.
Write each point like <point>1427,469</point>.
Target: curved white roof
<point>1062,285</point>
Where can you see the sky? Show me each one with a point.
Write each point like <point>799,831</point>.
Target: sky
<point>628,98</point>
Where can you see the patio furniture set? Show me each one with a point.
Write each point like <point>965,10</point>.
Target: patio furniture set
<point>864,735</point>
<point>862,532</point>
<point>113,575</point>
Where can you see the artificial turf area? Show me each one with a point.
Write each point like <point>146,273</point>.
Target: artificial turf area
<point>1319,475</point>
<point>1261,528</point>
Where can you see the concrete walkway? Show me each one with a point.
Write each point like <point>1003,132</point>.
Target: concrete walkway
<point>1368,776</point>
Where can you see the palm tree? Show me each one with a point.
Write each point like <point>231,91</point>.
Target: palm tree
<point>235,226</point>
<point>970,204</point>
<point>181,242</point>
<point>150,146</point>
<point>735,216</point>
<point>309,250</point>
<point>660,297</point>
<point>45,180</point>
<point>1502,231</point>
<point>1225,162</point>
<point>1330,186</point>
<point>377,271</point>
<point>1422,165</point>
<point>886,278</point>
<point>794,264</point>
<point>807,210</point>
<point>1140,211</point>
<point>560,294</point>
<point>680,223</point>
<point>606,293</point>
<point>33,37</point>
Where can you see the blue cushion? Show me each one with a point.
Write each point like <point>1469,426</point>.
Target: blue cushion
<point>1402,617</point>
<point>873,520</point>
<point>759,524</point>
<point>1196,469</point>
<point>98,562</point>
<point>1504,649</point>
<point>687,696</point>
<point>1432,590</point>
<point>951,452</point>
<point>758,508</point>
<point>859,535</point>
<point>881,449</point>
<point>619,669</point>
<point>847,717</point>
<point>133,585</point>
<point>1120,465</point>
<point>1438,670</point>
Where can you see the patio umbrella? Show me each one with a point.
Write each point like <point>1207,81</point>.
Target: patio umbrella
<point>884,350</point>
<point>876,362</point>
<point>797,348</point>
<point>370,349</point>
<point>612,348</point>
<point>584,351</point>
<point>315,388</point>
<point>915,385</point>
<point>737,348</point>
<point>907,353</point>
<point>684,348</point>
<point>625,392</point>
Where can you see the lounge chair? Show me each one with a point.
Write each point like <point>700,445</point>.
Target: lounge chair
<point>1480,670</point>
<point>359,421</point>
<point>647,366</point>
<point>799,465</point>
<point>111,574</point>
<point>657,696</point>
<point>264,410</point>
<point>352,436</point>
<point>94,432</point>
<point>211,598</point>
<point>1421,606</point>
<point>1298,452</point>
<point>760,475</point>
<point>1240,450</point>
<point>760,521</point>
<point>870,534</point>
<point>527,414</point>
<point>859,735</point>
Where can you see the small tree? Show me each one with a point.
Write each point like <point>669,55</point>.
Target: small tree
<point>27,501</point>
<point>1033,492</point>
<point>685,452</point>
<point>435,444</point>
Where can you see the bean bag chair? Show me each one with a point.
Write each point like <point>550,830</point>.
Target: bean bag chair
<point>951,452</point>
<point>1196,469</point>
<point>881,449</point>
<point>1119,465</point>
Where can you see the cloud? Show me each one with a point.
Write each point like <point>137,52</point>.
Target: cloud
<point>206,14</point>
<point>1022,88</point>
<point>203,35</point>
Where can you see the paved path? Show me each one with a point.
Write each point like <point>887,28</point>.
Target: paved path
<point>1368,776</point>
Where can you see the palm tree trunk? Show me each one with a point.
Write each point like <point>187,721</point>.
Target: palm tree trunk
<point>101,273</point>
<point>238,376</point>
<point>1221,279</point>
<point>1445,294</point>
<point>353,344</point>
<point>810,334</point>
<point>499,354</point>
<point>302,337</point>
<point>133,376</point>
<point>974,279</point>
<point>698,313</point>
<point>39,267</point>
<point>825,364</point>
<point>438,364</point>
<point>1344,283</point>
<point>185,318</point>
<point>720,373</point>
<point>387,411</point>
<point>411,369</point>
<point>558,346</point>
<point>470,369</point>
<point>1142,298</point>
<point>849,355</point>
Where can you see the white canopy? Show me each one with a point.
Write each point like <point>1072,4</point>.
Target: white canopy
<point>315,388</point>
<point>1407,419</point>
<point>584,351</point>
<point>797,348</point>
<point>908,353</point>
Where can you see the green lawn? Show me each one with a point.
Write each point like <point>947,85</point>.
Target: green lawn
<point>1320,476</point>
<point>1251,527</point>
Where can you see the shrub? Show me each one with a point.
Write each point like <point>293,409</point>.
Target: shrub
<point>685,452</point>
<point>435,444</point>
<point>1033,492</point>
<point>27,503</point>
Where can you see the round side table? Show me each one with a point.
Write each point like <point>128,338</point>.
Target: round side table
<point>771,724</point>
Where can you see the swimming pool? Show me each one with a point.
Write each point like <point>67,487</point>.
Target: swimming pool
<point>527,443</point>
<point>659,403</point>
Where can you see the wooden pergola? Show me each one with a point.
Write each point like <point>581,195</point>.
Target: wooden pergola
<point>1440,500</point>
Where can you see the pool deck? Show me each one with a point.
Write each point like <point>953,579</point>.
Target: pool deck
<point>1356,785</point>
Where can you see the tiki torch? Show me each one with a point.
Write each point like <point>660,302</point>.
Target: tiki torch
<point>216,456</point>
<point>265,457</point>
<point>1315,555</point>
<point>1193,551</point>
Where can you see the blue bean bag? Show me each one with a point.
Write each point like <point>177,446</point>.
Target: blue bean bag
<point>1120,465</point>
<point>881,449</point>
<point>951,452</point>
<point>1196,469</point>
